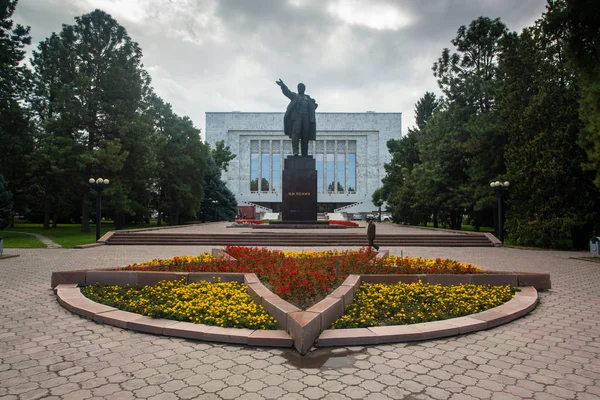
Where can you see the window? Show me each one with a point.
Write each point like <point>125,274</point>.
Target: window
<point>341,172</point>
<point>351,172</point>
<point>254,172</point>
<point>266,172</point>
<point>330,166</point>
<point>276,183</point>
<point>319,162</point>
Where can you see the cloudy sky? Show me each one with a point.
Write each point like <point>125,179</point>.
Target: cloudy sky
<point>225,55</point>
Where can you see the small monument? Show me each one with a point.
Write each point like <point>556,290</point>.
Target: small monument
<point>299,170</point>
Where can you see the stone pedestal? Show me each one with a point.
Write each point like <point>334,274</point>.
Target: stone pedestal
<point>299,190</point>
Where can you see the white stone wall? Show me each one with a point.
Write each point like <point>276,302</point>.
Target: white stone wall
<point>370,130</point>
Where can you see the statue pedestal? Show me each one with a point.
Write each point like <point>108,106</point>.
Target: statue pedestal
<point>299,190</point>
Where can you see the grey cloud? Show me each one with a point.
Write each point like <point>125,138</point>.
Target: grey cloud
<point>221,55</point>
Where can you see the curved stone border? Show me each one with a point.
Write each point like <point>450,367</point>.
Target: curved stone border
<point>71,298</point>
<point>306,328</point>
<point>521,304</point>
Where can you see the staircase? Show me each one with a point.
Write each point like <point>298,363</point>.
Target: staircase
<point>264,238</point>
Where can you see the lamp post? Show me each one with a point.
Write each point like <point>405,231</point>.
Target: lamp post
<point>501,190</point>
<point>99,185</point>
<point>379,203</point>
<point>215,203</point>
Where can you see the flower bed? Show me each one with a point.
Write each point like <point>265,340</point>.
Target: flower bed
<point>412,265</point>
<point>224,304</point>
<point>342,223</point>
<point>304,278</point>
<point>250,222</point>
<point>410,303</point>
<point>179,263</point>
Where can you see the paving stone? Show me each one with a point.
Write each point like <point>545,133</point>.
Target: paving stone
<point>554,349</point>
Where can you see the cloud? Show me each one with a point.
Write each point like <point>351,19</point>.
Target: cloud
<point>225,55</point>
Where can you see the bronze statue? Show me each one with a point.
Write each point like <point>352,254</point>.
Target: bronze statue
<point>299,121</point>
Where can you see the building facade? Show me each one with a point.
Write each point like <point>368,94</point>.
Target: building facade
<point>350,152</point>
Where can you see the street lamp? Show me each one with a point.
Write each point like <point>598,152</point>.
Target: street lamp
<point>501,190</point>
<point>215,203</point>
<point>379,203</point>
<point>99,185</point>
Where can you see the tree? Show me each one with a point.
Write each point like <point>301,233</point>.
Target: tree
<point>6,204</point>
<point>425,108</point>
<point>551,201</point>
<point>578,21</point>
<point>467,76</point>
<point>16,136</point>
<point>222,155</point>
<point>469,79</point>
<point>182,164</point>
<point>89,86</point>
<point>219,203</point>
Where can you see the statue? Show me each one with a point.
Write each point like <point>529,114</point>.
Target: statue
<point>299,121</point>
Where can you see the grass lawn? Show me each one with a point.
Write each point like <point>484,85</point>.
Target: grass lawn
<point>67,235</point>
<point>14,240</point>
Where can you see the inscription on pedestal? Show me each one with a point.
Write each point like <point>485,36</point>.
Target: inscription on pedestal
<point>299,189</point>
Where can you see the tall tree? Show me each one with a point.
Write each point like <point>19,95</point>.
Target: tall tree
<point>551,199</point>
<point>90,85</point>
<point>469,79</point>
<point>6,204</point>
<point>16,135</point>
<point>578,21</point>
<point>182,164</point>
<point>467,76</point>
<point>219,203</point>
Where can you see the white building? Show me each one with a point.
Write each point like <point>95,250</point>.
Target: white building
<point>350,153</point>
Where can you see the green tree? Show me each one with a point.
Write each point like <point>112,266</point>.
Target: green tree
<point>425,108</point>
<point>578,21</point>
<point>469,79</point>
<point>222,155</point>
<point>551,199</point>
<point>467,76</point>
<point>182,164</point>
<point>6,204</point>
<point>405,156</point>
<point>89,88</point>
<point>219,203</point>
<point>16,134</point>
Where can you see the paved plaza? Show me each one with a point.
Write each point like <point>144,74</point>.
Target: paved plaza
<point>47,352</point>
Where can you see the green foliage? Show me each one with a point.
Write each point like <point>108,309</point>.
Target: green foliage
<point>219,203</point>
<point>515,109</point>
<point>378,197</point>
<point>552,200</point>
<point>6,204</point>
<point>182,164</point>
<point>425,108</point>
<point>467,76</point>
<point>16,139</point>
<point>578,22</point>
<point>221,155</point>
<point>93,113</point>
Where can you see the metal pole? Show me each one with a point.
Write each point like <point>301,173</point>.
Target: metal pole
<point>499,194</point>
<point>98,212</point>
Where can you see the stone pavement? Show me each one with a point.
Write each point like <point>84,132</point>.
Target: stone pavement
<point>46,352</point>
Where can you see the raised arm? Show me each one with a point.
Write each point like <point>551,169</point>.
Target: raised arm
<point>287,92</point>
